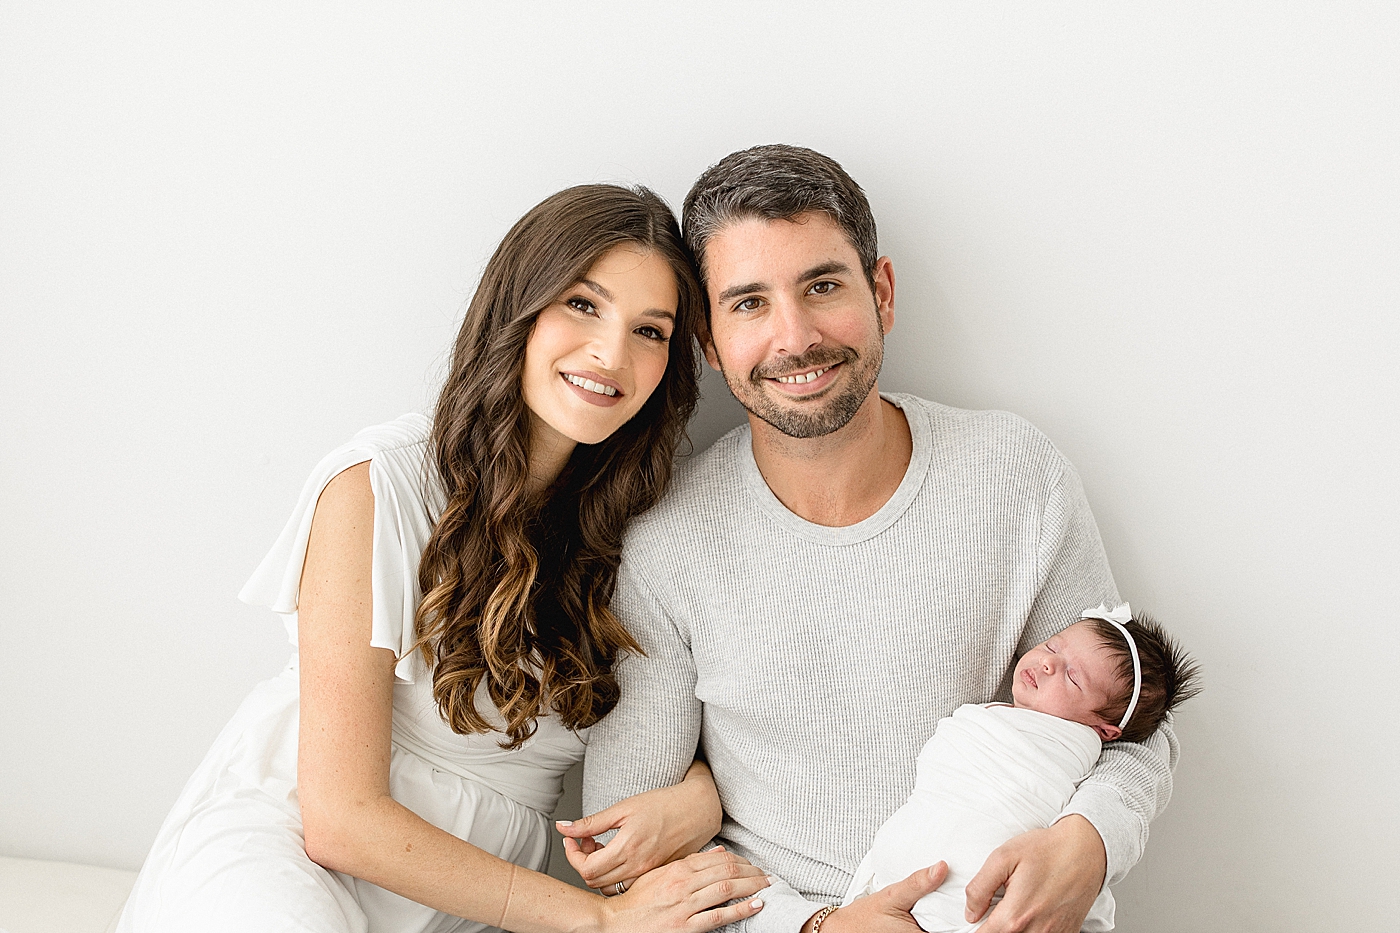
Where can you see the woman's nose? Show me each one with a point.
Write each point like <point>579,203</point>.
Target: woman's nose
<point>609,347</point>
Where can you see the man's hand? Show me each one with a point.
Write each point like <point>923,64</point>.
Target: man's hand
<point>887,910</point>
<point>1051,876</point>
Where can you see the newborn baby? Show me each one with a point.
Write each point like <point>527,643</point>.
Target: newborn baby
<point>992,772</point>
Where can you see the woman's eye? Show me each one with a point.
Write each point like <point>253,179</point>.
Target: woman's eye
<point>653,333</point>
<point>581,305</point>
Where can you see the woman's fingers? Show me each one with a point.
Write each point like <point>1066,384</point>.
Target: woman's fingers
<point>586,865</point>
<point>722,879</point>
<point>727,889</point>
<point>594,824</point>
<point>603,865</point>
<point>710,857</point>
<point>721,916</point>
<point>728,869</point>
<point>576,857</point>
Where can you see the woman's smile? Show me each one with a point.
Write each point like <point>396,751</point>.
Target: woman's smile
<point>594,389</point>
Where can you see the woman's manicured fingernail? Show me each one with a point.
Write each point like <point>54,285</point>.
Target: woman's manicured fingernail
<point>563,822</point>
<point>756,903</point>
<point>769,878</point>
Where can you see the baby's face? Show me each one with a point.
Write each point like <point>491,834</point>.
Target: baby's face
<point>1069,675</point>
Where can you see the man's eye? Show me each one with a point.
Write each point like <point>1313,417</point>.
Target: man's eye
<point>748,304</point>
<point>823,288</point>
<point>581,305</point>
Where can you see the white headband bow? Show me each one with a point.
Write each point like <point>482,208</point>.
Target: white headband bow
<point>1119,619</point>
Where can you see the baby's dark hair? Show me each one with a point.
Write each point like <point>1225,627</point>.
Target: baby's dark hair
<point>1170,676</point>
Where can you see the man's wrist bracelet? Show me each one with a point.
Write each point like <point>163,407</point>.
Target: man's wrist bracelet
<point>819,918</point>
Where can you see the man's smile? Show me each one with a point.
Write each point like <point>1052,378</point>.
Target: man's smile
<point>807,383</point>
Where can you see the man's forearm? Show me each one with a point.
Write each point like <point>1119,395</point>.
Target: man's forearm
<point>1130,785</point>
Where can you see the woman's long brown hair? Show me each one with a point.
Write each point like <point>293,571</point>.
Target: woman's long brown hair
<point>517,584</point>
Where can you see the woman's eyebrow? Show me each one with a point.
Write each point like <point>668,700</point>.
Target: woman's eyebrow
<point>599,290</point>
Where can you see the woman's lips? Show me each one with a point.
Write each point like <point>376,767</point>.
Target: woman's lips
<point>593,388</point>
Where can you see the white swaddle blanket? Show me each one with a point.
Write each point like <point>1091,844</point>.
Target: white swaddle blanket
<point>988,773</point>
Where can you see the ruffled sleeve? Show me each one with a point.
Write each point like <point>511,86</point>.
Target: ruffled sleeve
<point>407,501</point>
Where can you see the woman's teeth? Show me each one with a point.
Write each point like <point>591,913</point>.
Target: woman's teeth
<point>590,385</point>
<point>804,377</point>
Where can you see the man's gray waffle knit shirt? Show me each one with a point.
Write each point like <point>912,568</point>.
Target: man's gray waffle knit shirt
<point>812,663</point>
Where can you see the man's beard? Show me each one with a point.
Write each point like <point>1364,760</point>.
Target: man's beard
<point>819,417</point>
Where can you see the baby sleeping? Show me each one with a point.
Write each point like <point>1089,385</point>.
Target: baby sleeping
<point>992,772</point>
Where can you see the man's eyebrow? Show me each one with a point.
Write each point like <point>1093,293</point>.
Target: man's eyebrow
<point>734,291</point>
<point>831,267</point>
<point>598,289</point>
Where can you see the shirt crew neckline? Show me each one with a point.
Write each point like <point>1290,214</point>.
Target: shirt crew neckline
<point>889,513</point>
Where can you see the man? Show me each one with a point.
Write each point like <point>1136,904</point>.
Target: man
<point>823,585</point>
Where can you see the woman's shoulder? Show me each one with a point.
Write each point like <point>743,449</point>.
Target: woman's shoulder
<point>398,487</point>
<point>408,432</point>
<point>398,455</point>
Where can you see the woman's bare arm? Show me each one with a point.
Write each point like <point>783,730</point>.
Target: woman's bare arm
<point>353,825</point>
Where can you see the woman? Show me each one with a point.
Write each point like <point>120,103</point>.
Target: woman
<point>396,777</point>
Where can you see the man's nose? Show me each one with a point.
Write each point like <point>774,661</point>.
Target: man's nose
<point>795,332</point>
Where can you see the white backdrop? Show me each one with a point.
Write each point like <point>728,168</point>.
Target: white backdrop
<point>1166,233</point>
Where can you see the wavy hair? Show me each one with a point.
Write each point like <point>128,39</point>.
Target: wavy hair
<point>517,583</point>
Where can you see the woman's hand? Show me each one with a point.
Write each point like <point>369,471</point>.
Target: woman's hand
<point>687,896</point>
<point>653,828</point>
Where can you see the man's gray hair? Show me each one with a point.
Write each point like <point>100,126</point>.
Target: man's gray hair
<point>777,182</point>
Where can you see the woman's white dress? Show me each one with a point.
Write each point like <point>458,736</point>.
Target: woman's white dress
<point>230,855</point>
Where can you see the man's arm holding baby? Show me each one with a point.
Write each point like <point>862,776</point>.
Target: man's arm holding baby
<point>1053,875</point>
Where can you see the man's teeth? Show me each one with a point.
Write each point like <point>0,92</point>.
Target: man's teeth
<point>590,385</point>
<point>804,377</point>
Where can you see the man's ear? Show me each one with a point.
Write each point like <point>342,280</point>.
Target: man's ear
<point>884,292</point>
<point>707,346</point>
<point>1106,732</point>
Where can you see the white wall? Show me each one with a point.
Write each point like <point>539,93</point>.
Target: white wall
<point>1166,233</point>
